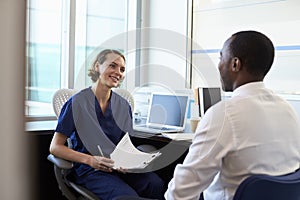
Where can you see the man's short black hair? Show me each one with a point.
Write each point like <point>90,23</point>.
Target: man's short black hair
<point>255,50</point>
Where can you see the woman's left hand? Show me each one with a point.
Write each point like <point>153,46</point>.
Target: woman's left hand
<point>121,170</point>
<point>103,164</point>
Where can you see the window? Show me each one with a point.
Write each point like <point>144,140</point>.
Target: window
<point>61,36</point>
<point>97,24</point>
<point>215,21</point>
<point>44,54</point>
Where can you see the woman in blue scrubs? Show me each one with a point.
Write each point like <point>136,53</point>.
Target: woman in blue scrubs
<point>97,115</point>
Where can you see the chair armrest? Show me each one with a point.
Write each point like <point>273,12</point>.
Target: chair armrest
<point>59,162</point>
<point>147,148</point>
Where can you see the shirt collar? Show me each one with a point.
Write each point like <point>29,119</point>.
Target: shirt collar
<point>248,88</point>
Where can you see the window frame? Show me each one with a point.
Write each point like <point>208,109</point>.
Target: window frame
<point>67,74</point>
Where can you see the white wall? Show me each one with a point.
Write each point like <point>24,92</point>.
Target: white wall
<point>14,180</point>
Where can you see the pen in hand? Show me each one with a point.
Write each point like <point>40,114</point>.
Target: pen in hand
<point>104,167</point>
<point>100,150</point>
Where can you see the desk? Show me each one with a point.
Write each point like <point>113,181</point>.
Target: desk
<point>38,126</point>
<point>173,152</point>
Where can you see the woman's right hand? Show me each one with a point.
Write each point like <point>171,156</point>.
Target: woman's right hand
<point>102,163</point>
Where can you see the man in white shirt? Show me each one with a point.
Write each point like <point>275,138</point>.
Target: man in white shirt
<point>253,132</point>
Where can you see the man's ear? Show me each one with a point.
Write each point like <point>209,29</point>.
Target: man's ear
<point>236,64</point>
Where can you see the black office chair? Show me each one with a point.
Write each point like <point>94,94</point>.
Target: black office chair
<point>62,167</point>
<point>265,187</point>
<point>69,189</point>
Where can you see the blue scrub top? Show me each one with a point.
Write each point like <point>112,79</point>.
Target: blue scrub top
<point>66,126</point>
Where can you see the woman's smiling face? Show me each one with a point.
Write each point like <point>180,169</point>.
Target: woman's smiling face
<point>112,71</point>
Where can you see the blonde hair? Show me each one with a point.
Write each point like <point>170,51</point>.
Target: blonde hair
<point>101,57</point>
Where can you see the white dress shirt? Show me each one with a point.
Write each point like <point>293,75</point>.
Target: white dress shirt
<point>254,132</point>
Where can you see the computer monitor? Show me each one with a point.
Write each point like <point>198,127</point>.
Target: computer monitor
<point>207,97</point>
<point>168,110</point>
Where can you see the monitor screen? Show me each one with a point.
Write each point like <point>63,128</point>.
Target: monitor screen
<point>168,109</point>
<point>207,97</point>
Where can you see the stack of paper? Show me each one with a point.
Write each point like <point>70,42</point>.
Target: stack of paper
<point>126,156</point>
<point>179,136</point>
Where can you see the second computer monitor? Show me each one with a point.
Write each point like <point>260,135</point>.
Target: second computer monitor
<point>207,97</point>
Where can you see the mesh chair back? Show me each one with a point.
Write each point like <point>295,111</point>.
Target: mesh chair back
<point>126,95</point>
<point>60,97</point>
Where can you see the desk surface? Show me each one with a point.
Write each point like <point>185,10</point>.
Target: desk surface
<point>41,126</point>
<point>38,126</point>
<point>159,138</point>
<point>173,152</point>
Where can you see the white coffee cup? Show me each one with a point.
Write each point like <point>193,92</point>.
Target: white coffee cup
<point>194,123</point>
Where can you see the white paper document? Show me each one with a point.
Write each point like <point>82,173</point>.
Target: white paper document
<point>180,136</point>
<point>127,156</point>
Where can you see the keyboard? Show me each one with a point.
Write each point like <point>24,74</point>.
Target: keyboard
<point>151,129</point>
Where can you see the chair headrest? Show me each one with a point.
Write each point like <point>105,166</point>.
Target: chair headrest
<point>126,95</point>
<point>60,97</point>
